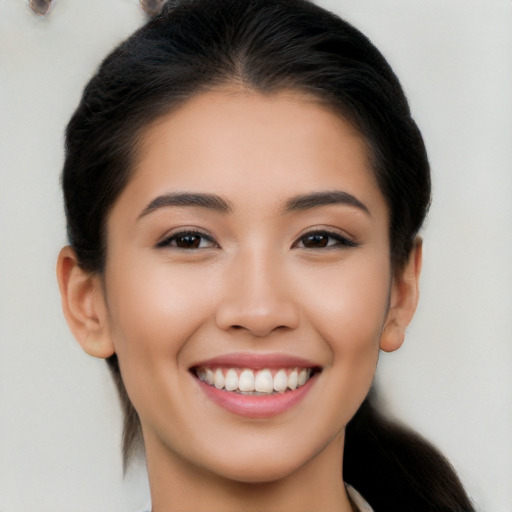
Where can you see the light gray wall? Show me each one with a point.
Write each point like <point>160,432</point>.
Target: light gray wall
<point>59,422</point>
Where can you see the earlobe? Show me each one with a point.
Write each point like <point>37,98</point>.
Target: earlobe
<point>84,305</point>
<point>403,301</point>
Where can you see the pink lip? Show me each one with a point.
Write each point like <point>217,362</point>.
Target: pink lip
<point>257,407</point>
<point>253,406</point>
<point>256,361</point>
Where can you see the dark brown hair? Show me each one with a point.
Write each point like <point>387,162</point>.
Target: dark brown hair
<point>266,46</point>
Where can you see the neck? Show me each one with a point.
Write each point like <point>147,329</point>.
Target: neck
<point>178,485</point>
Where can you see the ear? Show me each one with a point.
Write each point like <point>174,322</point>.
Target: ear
<point>84,305</point>
<point>403,301</point>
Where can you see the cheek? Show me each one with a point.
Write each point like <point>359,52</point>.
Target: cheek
<point>354,309</point>
<point>153,304</point>
<point>153,311</point>
<point>350,307</point>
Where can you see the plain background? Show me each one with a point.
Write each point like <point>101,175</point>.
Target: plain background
<point>60,423</point>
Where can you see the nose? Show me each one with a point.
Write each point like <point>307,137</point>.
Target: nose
<point>257,297</point>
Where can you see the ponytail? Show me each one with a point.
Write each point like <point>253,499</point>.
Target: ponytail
<point>395,469</point>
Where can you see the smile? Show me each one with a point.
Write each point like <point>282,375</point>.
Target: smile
<point>254,382</point>
<point>257,386</point>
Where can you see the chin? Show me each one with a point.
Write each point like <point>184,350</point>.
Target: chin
<point>259,472</point>
<point>260,464</point>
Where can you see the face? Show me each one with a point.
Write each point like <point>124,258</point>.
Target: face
<point>247,283</point>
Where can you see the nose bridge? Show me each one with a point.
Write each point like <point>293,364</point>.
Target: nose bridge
<point>257,296</point>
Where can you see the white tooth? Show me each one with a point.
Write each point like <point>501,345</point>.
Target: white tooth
<point>264,382</point>
<point>219,379</point>
<point>292,379</point>
<point>280,381</point>
<point>303,377</point>
<point>201,374</point>
<point>231,380</point>
<point>246,381</point>
<point>209,377</point>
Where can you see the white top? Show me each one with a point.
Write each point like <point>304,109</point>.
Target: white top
<point>361,504</point>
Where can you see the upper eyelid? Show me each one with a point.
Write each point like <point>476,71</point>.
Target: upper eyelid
<point>187,230</point>
<point>329,231</point>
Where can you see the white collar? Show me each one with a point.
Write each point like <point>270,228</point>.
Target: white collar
<point>361,504</point>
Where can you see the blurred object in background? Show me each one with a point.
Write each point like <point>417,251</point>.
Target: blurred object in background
<point>40,7</point>
<point>152,7</point>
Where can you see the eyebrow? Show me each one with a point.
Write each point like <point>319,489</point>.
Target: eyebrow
<point>208,201</point>
<point>316,199</point>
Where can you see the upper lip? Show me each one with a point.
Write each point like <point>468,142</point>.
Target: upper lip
<point>257,361</point>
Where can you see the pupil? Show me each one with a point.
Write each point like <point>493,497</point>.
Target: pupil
<point>189,241</point>
<point>316,241</point>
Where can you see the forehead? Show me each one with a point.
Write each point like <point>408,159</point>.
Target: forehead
<point>254,148</point>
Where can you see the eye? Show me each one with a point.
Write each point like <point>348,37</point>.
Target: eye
<point>188,240</point>
<point>323,240</point>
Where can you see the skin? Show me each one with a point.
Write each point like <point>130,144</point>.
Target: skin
<point>255,285</point>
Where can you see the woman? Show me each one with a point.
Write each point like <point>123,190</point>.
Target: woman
<point>244,186</point>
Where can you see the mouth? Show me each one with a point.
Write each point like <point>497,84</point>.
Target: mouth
<point>255,382</point>
<point>256,386</point>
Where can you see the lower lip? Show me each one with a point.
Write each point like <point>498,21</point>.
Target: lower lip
<point>256,406</point>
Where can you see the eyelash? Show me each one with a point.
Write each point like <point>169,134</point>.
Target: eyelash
<point>172,240</point>
<point>340,242</point>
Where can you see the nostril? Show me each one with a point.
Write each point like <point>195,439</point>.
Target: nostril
<point>258,331</point>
